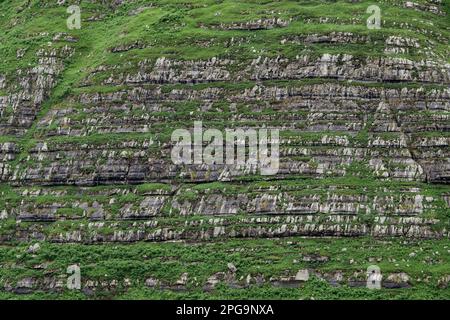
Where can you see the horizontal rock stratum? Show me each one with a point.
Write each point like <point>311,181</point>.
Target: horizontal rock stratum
<point>86,118</point>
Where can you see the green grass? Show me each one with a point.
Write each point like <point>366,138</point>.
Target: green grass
<point>185,30</point>
<point>268,258</point>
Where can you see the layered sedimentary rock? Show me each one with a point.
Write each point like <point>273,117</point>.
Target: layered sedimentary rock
<point>364,148</point>
<point>87,177</point>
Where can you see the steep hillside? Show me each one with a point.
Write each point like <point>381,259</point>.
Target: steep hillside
<point>86,175</point>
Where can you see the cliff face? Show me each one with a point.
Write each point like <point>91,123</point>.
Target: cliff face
<point>86,117</point>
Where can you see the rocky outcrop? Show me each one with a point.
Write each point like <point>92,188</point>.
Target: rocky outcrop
<point>29,89</point>
<point>363,143</point>
<point>164,213</point>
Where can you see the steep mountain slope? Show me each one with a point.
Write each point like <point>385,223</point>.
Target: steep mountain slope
<point>86,117</point>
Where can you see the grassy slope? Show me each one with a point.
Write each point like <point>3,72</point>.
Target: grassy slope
<point>271,258</point>
<point>171,29</point>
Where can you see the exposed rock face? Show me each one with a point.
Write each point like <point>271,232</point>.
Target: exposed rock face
<point>364,147</point>
<point>54,284</point>
<point>391,148</point>
<point>87,179</point>
<point>253,25</point>
<point>129,215</point>
<point>29,89</point>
